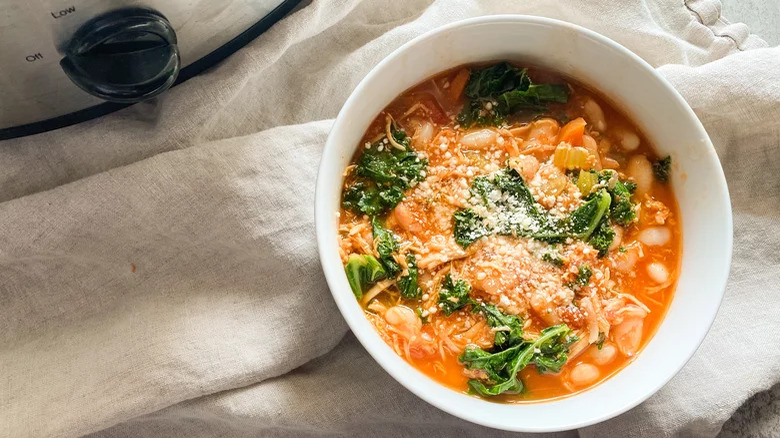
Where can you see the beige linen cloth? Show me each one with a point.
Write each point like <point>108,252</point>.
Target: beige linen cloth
<point>158,267</point>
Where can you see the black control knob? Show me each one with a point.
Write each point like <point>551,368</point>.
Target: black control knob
<point>126,55</point>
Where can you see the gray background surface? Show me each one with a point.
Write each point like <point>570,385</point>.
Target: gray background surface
<point>761,16</point>
<point>760,416</point>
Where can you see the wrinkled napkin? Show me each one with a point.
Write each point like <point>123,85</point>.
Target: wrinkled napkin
<point>158,266</point>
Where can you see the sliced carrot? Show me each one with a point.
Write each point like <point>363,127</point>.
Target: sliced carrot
<point>458,83</point>
<point>572,132</point>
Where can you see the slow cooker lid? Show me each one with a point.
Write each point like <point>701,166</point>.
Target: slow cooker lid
<point>100,59</point>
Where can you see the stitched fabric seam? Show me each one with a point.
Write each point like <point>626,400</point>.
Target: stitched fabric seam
<point>719,19</point>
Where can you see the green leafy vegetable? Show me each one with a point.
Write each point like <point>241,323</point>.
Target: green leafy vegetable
<point>511,352</point>
<point>386,245</point>
<point>553,259</point>
<point>495,80</point>
<point>469,227</point>
<point>454,295</point>
<point>516,212</point>
<point>501,369</point>
<point>515,207</point>
<point>482,187</point>
<point>511,326</point>
<point>424,319</point>
<point>383,173</point>
<point>524,216</point>
<point>584,220</point>
<point>475,114</point>
<point>600,341</point>
<point>584,272</point>
<point>533,98</point>
<point>493,93</point>
<point>390,165</point>
<point>621,211</point>
<point>662,167</point>
<point>554,351</point>
<point>362,271</point>
<point>366,198</point>
<point>548,352</point>
<point>408,284</point>
<point>602,237</point>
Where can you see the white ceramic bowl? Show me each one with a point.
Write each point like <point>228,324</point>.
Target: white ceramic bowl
<point>659,111</point>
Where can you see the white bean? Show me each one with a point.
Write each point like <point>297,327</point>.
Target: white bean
<point>625,261</point>
<point>423,135</point>
<point>479,139</point>
<point>595,115</point>
<point>640,169</point>
<point>544,130</point>
<point>628,334</point>
<point>584,374</point>
<point>609,163</point>
<point>605,355</point>
<point>629,141</point>
<point>655,236</point>
<point>658,272</point>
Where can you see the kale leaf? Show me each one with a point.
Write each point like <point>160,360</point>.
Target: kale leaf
<point>662,167</point>
<point>468,227</point>
<point>508,89</point>
<point>600,341</point>
<point>474,114</point>
<point>408,284</point>
<point>553,259</point>
<point>362,271</point>
<point>511,352</point>
<point>419,312</point>
<point>364,198</point>
<point>621,211</point>
<point>602,237</point>
<point>517,213</point>
<point>482,187</point>
<point>584,220</point>
<point>511,326</point>
<point>454,295</point>
<point>501,369</point>
<point>510,182</point>
<point>521,214</point>
<point>548,352</point>
<point>390,165</point>
<point>386,245</point>
<point>495,80</point>
<point>383,173</point>
<point>533,98</point>
<point>553,350</point>
<point>584,272</point>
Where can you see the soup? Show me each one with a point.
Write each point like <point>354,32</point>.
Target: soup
<point>509,233</point>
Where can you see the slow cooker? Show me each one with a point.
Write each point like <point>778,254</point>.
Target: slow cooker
<point>66,61</point>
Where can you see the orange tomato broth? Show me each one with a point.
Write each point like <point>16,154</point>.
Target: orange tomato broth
<point>436,95</point>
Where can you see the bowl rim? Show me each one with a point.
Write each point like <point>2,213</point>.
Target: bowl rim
<point>373,343</point>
